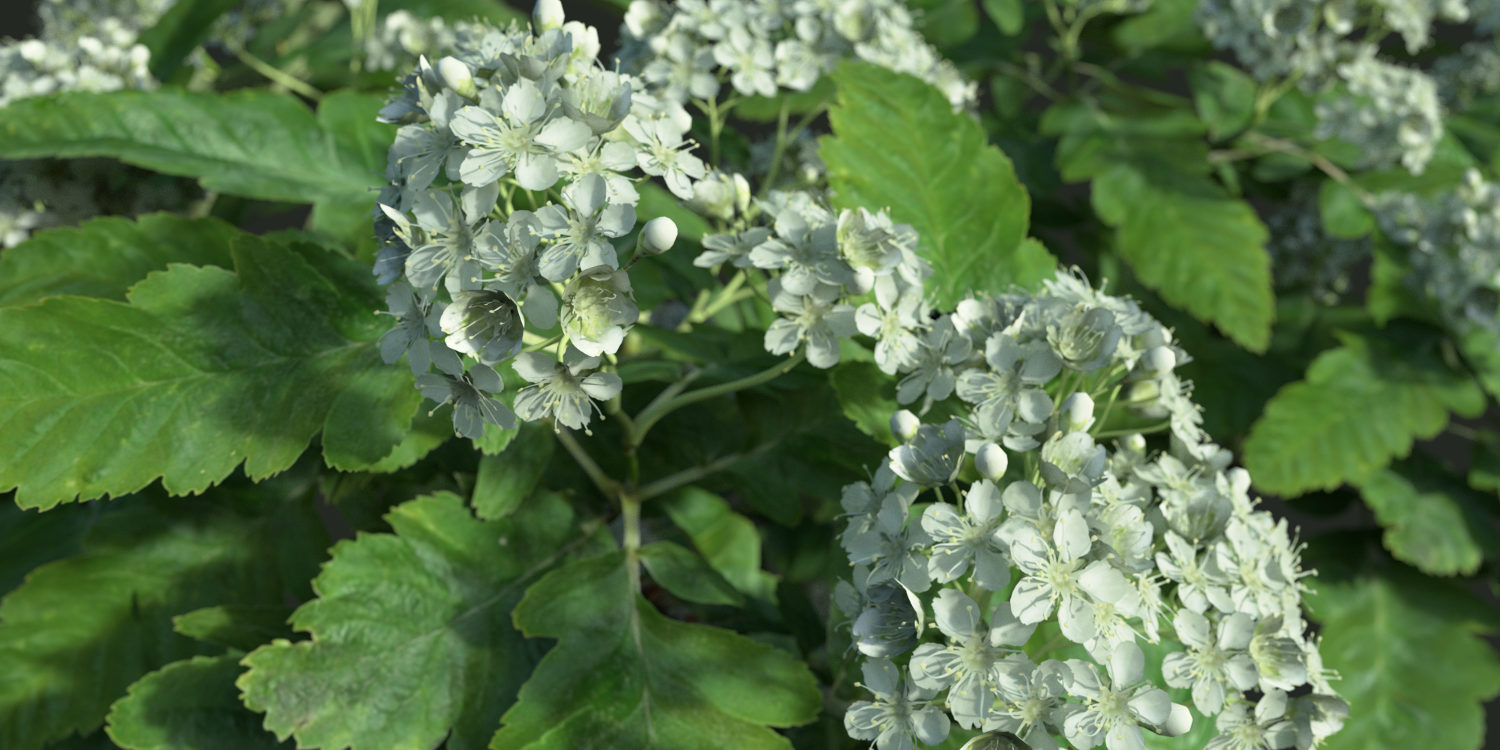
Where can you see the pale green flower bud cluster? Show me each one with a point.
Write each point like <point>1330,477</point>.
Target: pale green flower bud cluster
<point>109,59</point>
<point>1012,593</point>
<point>1391,111</point>
<point>476,281</point>
<point>1453,243</point>
<point>1304,258</point>
<point>683,49</point>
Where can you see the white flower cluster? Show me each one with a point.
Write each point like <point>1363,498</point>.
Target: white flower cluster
<point>1469,75</point>
<point>819,262</point>
<point>514,115</point>
<point>1304,258</point>
<point>1391,111</point>
<point>763,46</point>
<point>401,37</point>
<point>1453,241</point>
<point>109,59</point>
<point>1049,544</point>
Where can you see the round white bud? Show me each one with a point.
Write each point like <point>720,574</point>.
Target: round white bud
<point>1179,721</point>
<point>904,425</point>
<point>990,460</point>
<point>456,75</point>
<point>547,15</point>
<point>658,235</point>
<point>1159,360</point>
<point>1154,336</point>
<point>1077,412</point>
<point>1135,442</point>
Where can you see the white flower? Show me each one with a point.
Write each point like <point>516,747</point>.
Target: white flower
<point>564,391</point>
<point>1114,708</point>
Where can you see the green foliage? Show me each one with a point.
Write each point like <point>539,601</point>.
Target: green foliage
<point>82,628</point>
<point>898,144</point>
<point>183,28</point>
<point>1432,521</point>
<point>440,657</point>
<point>254,144</point>
<point>1008,15</point>
<point>188,705</point>
<point>208,368</point>
<point>726,539</point>
<point>507,478</point>
<point>1359,406</point>
<point>1413,667</point>
<point>687,575</point>
<point>1224,97</point>
<point>624,675</point>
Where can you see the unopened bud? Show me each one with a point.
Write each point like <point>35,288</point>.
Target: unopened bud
<point>1159,360</point>
<point>1179,721</point>
<point>990,460</point>
<point>658,235</point>
<point>904,425</point>
<point>456,75</point>
<point>1135,442</point>
<point>1077,412</point>
<point>547,15</point>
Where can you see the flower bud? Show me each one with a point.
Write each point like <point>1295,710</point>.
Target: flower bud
<point>456,75</point>
<point>1077,412</point>
<point>658,236</point>
<point>1135,442</point>
<point>904,425</point>
<point>547,15</point>
<point>1179,721</point>
<point>1159,360</point>
<point>864,281</point>
<point>990,460</point>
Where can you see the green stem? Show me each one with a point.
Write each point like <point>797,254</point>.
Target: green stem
<point>688,476</point>
<point>276,75</point>
<point>630,505</point>
<point>661,408</point>
<point>726,297</point>
<point>1158,427</point>
<point>607,487</point>
<point>780,148</point>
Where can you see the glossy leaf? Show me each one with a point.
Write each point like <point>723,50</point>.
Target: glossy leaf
<point>202,369</point>
<point>411,634</point>
<point>898,144</point>
<point>624,675</point>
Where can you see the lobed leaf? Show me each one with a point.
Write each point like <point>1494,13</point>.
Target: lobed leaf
<point>898,144</point>
<point>203,369</point>
<point>1357,409</point>
<point>624,675</point>
<point>1432,521</point>
<point>411,633</point>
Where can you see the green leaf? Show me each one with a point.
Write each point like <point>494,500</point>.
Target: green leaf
<point>1358,407</point>
<point>507,479</point>
<point>1414,674</point>
<point>727,540</point>
<point>898,144</point>
<point>686,575</point>
<point>1200,249</point>
<point>1427,518</point>
<point>1224,97</point>
<point>31,539</point>
<point>866,396</point>
<point>250,143</point>
<point>188,705</point>
<point>946,23</point>
<point>202,370</point>
<point>416,623</point>
<point>180,30</point>
<point>624,675</point>
<point>82,628</point>
<point>1009,15</point>
<point>237,626</point>
<point>1167,24</point>
<point>104,257</point>
<point>1344,215</point>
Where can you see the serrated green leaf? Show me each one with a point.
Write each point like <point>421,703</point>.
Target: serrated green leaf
<point>188,705</point>
<point>1224,97</point>
<point>82,628</point>
<point>1414,675</point>
<point>624,675</point>
<point>1357,409</point>
<point>237,626</point>
<point>251,143</point>
<point>1426,519</point>
<point>180,30</point>
<point>411,634</point>
<point>31,539</point>
<point>727,540</point>
<point>104,257</point>
<point>1200,249</point>
<point>202,370</point>
<point>507,479</point>
<point>687,575</point>
<point>898,144</point>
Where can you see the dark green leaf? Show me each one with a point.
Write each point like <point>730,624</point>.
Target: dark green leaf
<point>1167,23</point>
<point>624,675</point>
<point>946,23</point>
<point>898,144</point>
<point>188,705</point>
<point>237,626</point>
<point>185,25</point>
<point>1344,214</point>
<point>726,539</point>
<point>1427,518</point>
<point>81,629</point>
<point>867,398</point>
<point>104,257</point>
<point>1358,408</point>
<point>416,623</point>
<point>203,369</point>
<point>686,575</point>
<point>1009,15</point>
<point>1224,97</point>
<point>1198,248</point>
<point>505,480</point>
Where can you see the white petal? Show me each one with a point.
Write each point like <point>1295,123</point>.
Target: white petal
<point>957,614</point>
